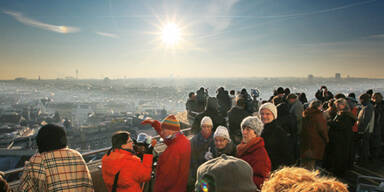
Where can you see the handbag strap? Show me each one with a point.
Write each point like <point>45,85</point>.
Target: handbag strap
<point>114,186</point>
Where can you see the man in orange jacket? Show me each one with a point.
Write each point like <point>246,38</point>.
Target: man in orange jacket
<point>122,170</point>
<point>173,165</point>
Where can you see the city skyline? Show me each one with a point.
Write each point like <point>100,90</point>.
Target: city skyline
<point>184,39</point>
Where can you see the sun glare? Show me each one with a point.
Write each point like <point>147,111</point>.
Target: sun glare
<point>170,34</point>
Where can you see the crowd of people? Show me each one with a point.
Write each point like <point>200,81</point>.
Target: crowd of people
<point>239,143</point>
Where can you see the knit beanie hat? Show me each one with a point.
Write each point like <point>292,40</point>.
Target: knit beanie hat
<point>269,106</point>
<point>206,121</point>
<point>254,123</point>
<point>171,123</point>
<point>221,131</point>
<point>214,173</point>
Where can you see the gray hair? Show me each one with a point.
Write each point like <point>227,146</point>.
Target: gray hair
<point>315,104</point>
<point>344,102</point>
<point>254,123</point>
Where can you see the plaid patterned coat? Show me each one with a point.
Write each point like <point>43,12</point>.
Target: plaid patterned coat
<point>59,170</point>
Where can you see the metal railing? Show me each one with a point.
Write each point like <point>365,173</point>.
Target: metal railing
<point>17,170</point>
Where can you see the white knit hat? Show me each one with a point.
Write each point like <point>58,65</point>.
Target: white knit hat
<point>269,106</point>
<point>222,131</point>
<point>206,121</point>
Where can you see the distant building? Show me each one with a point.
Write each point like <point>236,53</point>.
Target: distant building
<point>11,117</point>
<point>310,77</point>
<point>80,114</point>
<point>338,76</point>
<point>20,79</point>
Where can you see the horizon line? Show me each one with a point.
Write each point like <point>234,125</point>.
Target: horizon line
<point>133,78</point>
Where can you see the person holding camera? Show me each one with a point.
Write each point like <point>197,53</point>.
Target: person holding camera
<point>323,94</point>
<point>122,170</point>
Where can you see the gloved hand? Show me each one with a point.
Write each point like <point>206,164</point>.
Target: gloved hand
<point>208,155</point>
<point>149,150</point>
<point>153,142</point>
<point>151,146</point>
<point>154,123</point>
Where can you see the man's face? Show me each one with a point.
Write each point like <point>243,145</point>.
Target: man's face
<point>266,116</point>
<point>290,101</point>
<point>206,130</point>
<point>166,132</point>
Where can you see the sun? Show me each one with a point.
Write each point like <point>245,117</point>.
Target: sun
<point>170,34</point>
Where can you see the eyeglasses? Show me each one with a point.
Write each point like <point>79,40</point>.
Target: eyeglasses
<point>206,126</point>
<point>220,140</point>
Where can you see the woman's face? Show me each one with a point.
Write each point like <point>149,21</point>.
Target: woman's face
<point>248,134</point>
<point>128,145</point>
<point>340,106</point>
<point>221,142</point>
<point>266,116</point>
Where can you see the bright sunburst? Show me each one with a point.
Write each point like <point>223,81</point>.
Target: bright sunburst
<point>170,34</point>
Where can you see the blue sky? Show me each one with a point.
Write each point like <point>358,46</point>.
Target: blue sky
<point>220,38</point>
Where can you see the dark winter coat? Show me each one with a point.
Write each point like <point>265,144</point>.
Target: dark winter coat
<point>192,108</point>
<point>212,112</point>
<point>279,145</point>
<point>235,116</point>
<point>286,119</point>
<point>323,98</point>
<point>224,101</point>
<point>199,146</point>
<point>255,154</point>
<point>364,118</point>
<point>230,150</point>
<point>314,135</point>
<point>338,152</point>
<point>379,110</point>
<point>297,109</point>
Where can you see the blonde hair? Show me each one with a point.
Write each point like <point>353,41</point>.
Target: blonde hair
<point>296,179</point>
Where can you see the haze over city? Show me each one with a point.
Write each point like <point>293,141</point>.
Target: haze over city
<point>230,38</point>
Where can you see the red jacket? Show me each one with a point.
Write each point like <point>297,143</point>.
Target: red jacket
<point>133,172</point>
<point>173,166</point>
<point>255,154</point>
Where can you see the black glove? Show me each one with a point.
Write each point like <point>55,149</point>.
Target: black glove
<point>149,150</point>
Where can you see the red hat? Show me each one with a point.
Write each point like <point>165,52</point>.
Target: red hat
<point>171,123</point>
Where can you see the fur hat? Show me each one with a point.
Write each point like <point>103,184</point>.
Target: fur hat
<point>213,175</point>
<point>222,131</point>
<point>171,123</point>
<point>254,123</point>
<point>269,106</point>
<point>206,120</point>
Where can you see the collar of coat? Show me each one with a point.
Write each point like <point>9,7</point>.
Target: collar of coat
<point>252,145</point>
<point>172,139</point>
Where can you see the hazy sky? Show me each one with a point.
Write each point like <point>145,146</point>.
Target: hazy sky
<point>218,38</point>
